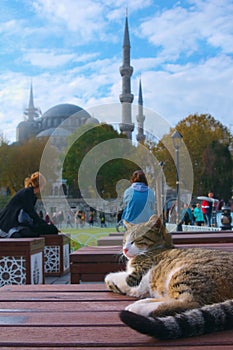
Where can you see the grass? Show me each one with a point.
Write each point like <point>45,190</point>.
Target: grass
<point>86,236</point>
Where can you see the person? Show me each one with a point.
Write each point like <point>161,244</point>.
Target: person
<point>68,221</point>
<point>19,218</point>
<point>138,200</point>
<point>173,213</point>
<point>91,218</point>
<point>199,216</point>
<point>186,215</point>
<point>47,219</point>
<point>102,219</point>
<point>207,208</point>
<point>77,217</point>
<point>83,219</point>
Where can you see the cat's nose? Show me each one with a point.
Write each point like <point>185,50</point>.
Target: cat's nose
<point>125,250</point>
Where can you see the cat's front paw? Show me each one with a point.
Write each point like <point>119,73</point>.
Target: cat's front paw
<point>115,282</point>
<point>132,281</point>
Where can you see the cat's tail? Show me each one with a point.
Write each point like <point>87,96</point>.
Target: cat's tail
<point>208,319</point>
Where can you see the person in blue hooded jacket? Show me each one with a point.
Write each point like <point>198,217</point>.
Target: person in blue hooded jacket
<point>138,200</point>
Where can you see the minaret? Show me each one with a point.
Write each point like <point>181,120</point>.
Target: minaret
<point>126,97</point>
<point>31,112</point>
<point>140,117</point>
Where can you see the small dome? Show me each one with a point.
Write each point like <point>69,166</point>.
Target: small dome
<point>92,120</point>
<point>26,124</point>
<point>54,131</point>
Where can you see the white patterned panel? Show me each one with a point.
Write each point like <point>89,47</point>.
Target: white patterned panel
<point>36,268</point>
<point>66,256</point>
<point>12,270</point>
<point>51,259</point>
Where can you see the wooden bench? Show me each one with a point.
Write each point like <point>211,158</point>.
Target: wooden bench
<point>79,317</point>
<point>192,237</point>
<point>21,261</point>
<point>91,264</point>
<point>56,255</point>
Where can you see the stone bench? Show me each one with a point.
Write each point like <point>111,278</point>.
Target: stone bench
<point>21,261</point>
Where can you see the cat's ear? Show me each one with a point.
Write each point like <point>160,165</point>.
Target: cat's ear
<point>128,225</point>
<point>155,222</point>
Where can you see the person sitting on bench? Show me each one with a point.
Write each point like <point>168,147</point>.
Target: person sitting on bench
<point>19,218</point>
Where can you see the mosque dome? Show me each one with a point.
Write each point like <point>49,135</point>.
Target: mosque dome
<point>62,110</point>
<point>53,117</point>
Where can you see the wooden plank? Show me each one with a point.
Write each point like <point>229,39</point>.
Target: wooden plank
<point>101,268</point>
<point>112,336</point>
<point>20,245</point>
<point>50,288</point>
<point>221,237</point>
<point>63,296</point>
<point>68,305</point>
<point>219,246</point>
<point>64,318</point>
<point>205,347</point>
<point>184,237</point>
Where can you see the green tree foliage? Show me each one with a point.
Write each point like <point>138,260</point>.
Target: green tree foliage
<point>217,170</point>
<point>80,144</point>
<point>207,141</point>
<point>18,161</point>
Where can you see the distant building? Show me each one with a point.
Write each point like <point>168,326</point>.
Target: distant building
<point>43,125</point>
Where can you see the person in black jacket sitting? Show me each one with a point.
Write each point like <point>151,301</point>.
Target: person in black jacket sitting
<point>19,218</point>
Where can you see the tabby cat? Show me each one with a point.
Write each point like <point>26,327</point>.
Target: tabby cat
<point>182,292</point>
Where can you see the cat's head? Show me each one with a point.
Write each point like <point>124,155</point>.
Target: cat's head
<point>141,238</point>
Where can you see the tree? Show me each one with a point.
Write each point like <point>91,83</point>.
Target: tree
<point>205,139</point>
<point>18,161</point>
<point>217,170</point>
<point>85,140</point>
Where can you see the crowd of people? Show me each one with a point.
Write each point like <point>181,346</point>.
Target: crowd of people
<point>19,219</point>
<point>202,213</point>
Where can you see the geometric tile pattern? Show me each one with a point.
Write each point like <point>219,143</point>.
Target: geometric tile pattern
<point>51,259</point>
<point>12,270</point>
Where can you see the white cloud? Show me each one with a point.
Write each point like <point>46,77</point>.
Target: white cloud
<point>83,17</point>
<point>47,59</point>
<point>202,88</point>
<point>68,50</point>
<point>181,31</point>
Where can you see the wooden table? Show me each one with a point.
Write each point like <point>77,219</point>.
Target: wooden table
<point>81,316</point>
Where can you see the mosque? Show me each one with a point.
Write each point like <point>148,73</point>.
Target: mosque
<point>40,125</point>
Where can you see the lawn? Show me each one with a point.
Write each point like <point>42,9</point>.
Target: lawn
<point>86,236</point>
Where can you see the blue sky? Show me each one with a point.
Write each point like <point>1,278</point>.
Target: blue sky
<point>72,50</point>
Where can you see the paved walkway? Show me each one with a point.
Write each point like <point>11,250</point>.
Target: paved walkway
<point>65,279</point>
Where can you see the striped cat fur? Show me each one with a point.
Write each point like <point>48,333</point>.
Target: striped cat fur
<point>182,292</point>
